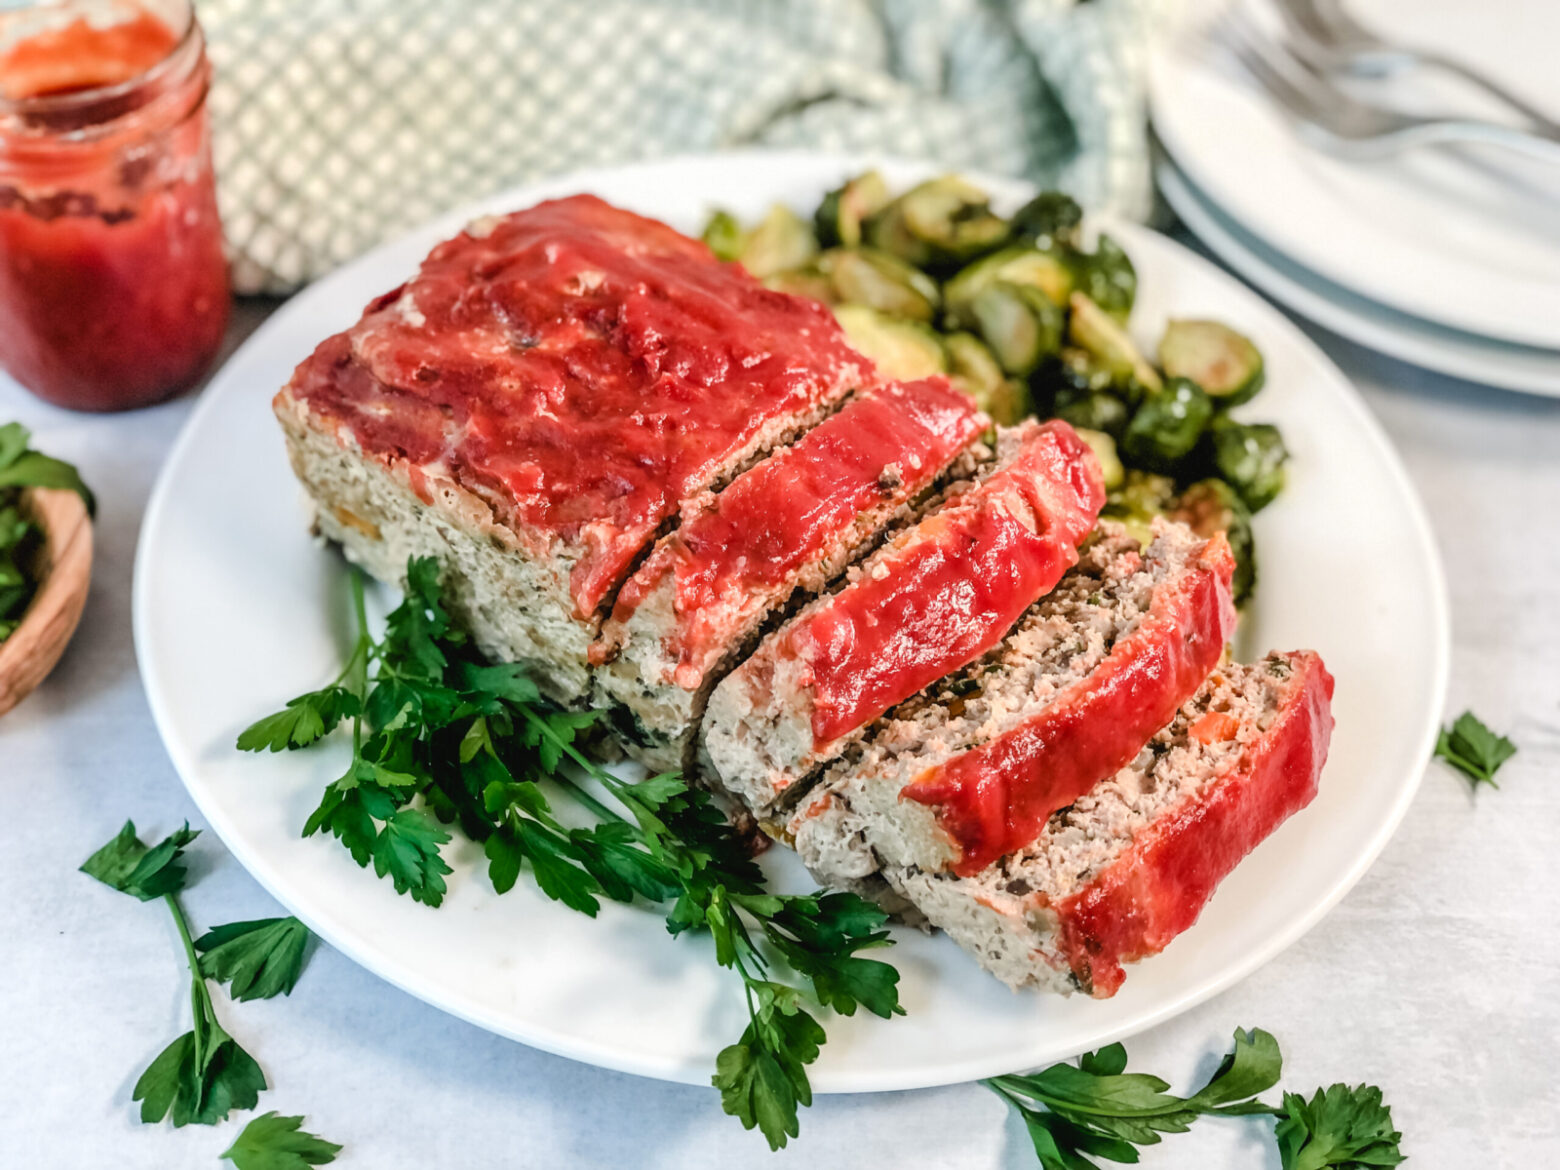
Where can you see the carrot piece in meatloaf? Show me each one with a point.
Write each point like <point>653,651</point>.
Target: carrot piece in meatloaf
<point>973,769</point>
<point>1117,875</point>
<point>788,525</point>
<point>538,401</point>
<point>935,597</point>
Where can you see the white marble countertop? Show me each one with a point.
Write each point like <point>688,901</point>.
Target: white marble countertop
<point>1437,978</point>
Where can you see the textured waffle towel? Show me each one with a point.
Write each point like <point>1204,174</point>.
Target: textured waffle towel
<point>342,122</point>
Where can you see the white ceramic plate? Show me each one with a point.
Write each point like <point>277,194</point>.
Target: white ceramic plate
<point>237,609</point>
<point>1466,239</point>
<point>1435,347</point>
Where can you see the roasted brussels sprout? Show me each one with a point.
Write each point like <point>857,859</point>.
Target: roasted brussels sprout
<point>1140,498</point>
<point>886,231</point>
<point>1249,457</point>
<point>1049,218</point>
<point>724,235</point>
<point>1166,426</point>
<point>1017,265</point>
<point>1078,370</point>
<point>804,282</point>
<point>1097,410</point>
<point>1104,448</point>
<point>865,276</point>
<point>1019,323</point>
<point>1211,505</point>
<point>781,241</point>
<point>953,218</point>
<point>902,349</point>
<point>974,369</point>
<point>839,217</point>
<point>1102,336</point>
<point>1223,362</point>
<point>1107,277</point>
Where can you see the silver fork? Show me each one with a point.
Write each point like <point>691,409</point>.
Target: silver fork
<point>1329,39</point>
<point>1345,125</point>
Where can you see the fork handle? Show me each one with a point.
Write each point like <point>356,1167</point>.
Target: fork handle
<point>1542,123</point>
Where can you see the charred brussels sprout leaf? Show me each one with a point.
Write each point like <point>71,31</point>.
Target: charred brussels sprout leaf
<point>1210,506</point>
<point>839,218</point>
<point>1049,218</point>
<point>1107,277</point>
<point>1019,323</point>
<point>1250,457</point>
<point>1167,425</point>
<point>865,276</point>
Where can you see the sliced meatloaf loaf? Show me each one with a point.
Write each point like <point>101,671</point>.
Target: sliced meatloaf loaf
<point>1115,876</point>
<point>536,404</point>
<point>789,524</point>
<point>973,770</point>
<point>932,599</point>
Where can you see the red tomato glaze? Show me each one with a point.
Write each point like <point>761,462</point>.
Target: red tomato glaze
<point>952,587</point>
<point>792,508</point>
<point>996,798</point>
<point>581,367</point>
<point>1158,886</point>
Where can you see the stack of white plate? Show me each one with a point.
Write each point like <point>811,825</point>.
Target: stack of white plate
<point>1446,259</point>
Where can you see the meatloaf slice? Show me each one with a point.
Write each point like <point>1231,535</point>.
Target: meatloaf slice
<point>1117,875</point>
<point>974,770</point>
<point>932,599</point>
<point>536,404</point>
<point>789,524</point>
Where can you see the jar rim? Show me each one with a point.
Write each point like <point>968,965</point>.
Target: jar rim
<point>179,56</point>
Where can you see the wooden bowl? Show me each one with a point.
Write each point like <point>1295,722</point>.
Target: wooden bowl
<point>64,571</point>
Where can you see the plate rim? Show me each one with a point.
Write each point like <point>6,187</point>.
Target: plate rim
<point>825,1080</point>
<point>1316,305</point>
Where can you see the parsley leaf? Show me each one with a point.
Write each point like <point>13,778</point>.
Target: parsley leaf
<point>1339,1126</point>
<point>131,868</point>
<point>270,1142</point>
<point>258,959</point>
<point>1473,749</point>
<point>24,468</point>
<point>407,849</point>
<point>301,722</point>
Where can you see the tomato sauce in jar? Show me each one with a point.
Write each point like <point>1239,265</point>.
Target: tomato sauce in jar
<point>113,282</point>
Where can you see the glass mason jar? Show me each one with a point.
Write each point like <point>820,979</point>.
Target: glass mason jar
<point>113,283</point>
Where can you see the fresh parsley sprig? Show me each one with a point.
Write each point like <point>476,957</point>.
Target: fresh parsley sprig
<point>22,468</point>
<point>1096,1109</point>
<point>204,1074</point>
<point>1473,749</point>
<point>441,737</point>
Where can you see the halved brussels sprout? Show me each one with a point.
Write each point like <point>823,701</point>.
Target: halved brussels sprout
<point>1102,336</point>
<point>900,348</point>
<point>804,282</point>
<point>1050,217</point>
<point>974,370</point>
<point>1249,457</point>
<point>1223,362</point>
<point>1166,426</point>
<point>1016,265</point>
<point>1211,505</point>
<point>1077,369</point>
<point>1019,323</point>
<point>887,232</point>
<point>1140,498</point>
<point>865,276</point>
<point>1107,277</point>
<point>953,218</point>
<point>782,240</point>
<point>839,217</point>
<point>724,235</point>
<point>1099,411</point>
<point>1104,448</point>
